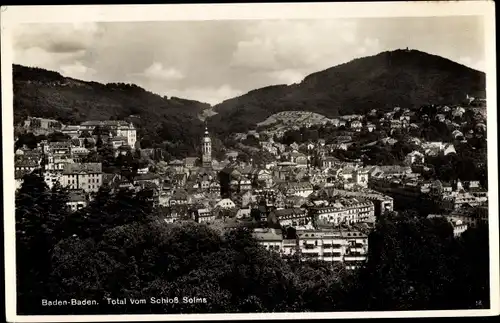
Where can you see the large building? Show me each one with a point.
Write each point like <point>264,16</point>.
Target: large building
<point>348,247</point>
<point>82,176</point>
<point>345,210</point>
<point>382,203</point>
<point>117,128</point>
<point>206,153</point>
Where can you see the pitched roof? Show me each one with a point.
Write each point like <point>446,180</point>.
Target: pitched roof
<point>26,163</point>
<point>290,212</point>
<point>78,168</point>
<point>96,123</point>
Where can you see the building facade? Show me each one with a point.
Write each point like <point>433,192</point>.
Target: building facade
<point>82,176</point>
<point>206,153</point>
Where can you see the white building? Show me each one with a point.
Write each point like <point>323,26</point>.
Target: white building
<point>349,247</point>
<point>303,189</point>
<point>271,239</point>
<point>415,157</point>
<point>345,210</point>
<point>120,128</point>
<point>225,204</point>
<point>294,217</point>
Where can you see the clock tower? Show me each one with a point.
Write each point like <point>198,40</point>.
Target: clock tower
<point>206,149</point>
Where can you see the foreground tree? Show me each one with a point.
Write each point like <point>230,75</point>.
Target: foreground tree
<point>40,214</point>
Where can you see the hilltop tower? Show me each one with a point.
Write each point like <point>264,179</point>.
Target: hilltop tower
<point>206,149</point>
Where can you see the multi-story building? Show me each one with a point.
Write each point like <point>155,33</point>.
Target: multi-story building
<point>78,154</point>
<point>57,162</point>
<point>295,217</point>
<point>456,200</point>
<point>82,176</point>
<point>73,131</point>
<point>60,147</point>
<point>330,161</point>
<point>271,239</point>
<point>349,247</point>
<point>471,216</point>
<point>26,165</point>
<point>381,202</point>
<point>303,189</point>
<point>345,210</point>
<point>269,198</point>
<point>204,215</point>
<point>117,127</point>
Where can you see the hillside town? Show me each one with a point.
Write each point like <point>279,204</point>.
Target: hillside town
<point>309,200</point>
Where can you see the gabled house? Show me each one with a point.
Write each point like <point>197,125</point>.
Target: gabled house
<point>415,157</point>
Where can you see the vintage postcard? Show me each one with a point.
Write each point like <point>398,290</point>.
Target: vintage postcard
<point>250,161</point>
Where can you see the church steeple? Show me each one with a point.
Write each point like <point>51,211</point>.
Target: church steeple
<point>206,149</point>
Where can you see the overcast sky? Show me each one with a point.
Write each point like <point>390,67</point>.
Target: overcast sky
<point>214,60</point>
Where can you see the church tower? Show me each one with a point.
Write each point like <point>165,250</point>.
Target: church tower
<point>206,150</point>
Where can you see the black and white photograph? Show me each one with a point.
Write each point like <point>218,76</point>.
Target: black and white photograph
<point>250,161</point>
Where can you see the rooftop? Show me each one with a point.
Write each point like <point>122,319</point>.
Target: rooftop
<point>78,168</point>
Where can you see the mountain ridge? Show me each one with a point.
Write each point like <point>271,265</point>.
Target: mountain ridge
<point>407,78</point>
<point>42,93</point>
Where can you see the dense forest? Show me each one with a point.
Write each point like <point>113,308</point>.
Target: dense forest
<point>119,247</point>
<point>405,78</point>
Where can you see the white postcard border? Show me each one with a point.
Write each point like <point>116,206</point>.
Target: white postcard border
<point>13,15</point>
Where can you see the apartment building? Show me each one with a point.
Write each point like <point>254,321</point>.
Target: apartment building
<point>349,247</point>
<point>294,217</point>
<point>344,210</point>
<point>381,202</point>
<point>303,189</point>
<point>457,200</point>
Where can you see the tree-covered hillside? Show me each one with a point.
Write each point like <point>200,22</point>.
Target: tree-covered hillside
<point>405,78</point>
<point>42,93</point>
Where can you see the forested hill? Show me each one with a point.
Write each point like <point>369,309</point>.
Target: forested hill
<point>406,78</point>
<point>42,93</point>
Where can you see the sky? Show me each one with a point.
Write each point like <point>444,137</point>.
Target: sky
<point>211,61</point>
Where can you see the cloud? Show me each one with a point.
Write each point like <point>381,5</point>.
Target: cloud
<point>57,38</point>
<point>369,46</point>
<point>209,95</point>
<point>295,44</point>
<point>255,54</point>
<point>288,76</point>
<point>39,57</point>
<point>479,65</point>
<point>156,71</point>
<point>78,71</point>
